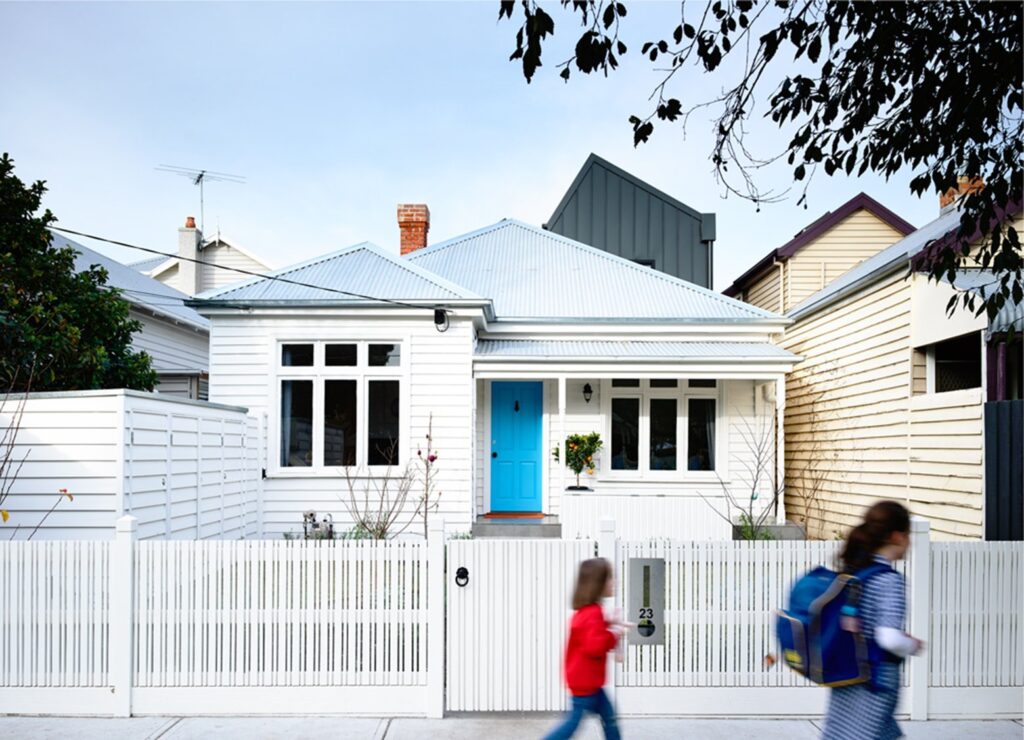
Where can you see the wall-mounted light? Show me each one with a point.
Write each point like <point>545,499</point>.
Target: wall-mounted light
<point>588,392</point>
<point>440,319</point>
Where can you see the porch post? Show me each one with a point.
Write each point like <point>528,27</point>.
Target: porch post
<point>780,446</point>
<point>561,436</point>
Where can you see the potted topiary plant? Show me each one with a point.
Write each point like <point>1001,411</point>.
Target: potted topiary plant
<point>580,450</point>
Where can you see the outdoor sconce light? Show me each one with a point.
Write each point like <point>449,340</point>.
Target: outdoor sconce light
<point>440,319</point>
<point>588,393</point>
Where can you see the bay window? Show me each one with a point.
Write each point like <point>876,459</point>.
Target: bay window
<point>661,426</point>
<point>340,404</point>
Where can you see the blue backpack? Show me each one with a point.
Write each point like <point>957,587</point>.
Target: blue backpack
<point>820,632</point>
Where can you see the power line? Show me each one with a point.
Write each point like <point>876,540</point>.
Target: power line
<point>278,278</point>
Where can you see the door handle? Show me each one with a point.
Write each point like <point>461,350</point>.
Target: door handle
<point>494,454</point>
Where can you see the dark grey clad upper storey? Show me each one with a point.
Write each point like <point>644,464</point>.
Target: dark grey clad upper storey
<point>608,208</point>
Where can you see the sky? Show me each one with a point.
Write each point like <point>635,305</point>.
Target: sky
<point>336,112</point>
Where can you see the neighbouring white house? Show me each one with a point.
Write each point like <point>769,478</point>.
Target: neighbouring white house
<point>173,334</point>
<point>200,263</point>
<point>503,340</point>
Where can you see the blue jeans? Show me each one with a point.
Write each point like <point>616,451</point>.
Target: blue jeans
<point>596,703</point>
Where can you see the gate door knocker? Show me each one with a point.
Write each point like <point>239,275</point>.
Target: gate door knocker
<point>461,577</point>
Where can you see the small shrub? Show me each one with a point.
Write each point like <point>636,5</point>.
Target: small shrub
<point>580,450</point>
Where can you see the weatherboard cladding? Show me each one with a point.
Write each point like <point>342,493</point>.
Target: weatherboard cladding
<point>899,254</point>
<point>817,229</point>
<point>612,210</point>
<point>365,270</point>
<point>137,288</point>
<point>628,350</point>
<point>534,274</point>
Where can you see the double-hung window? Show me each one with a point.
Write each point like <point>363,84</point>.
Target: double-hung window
<point>340,404</point>
<point>661,427</point>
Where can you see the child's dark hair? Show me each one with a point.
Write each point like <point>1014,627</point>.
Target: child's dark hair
<point>864,540</point>
<point>590,583</point>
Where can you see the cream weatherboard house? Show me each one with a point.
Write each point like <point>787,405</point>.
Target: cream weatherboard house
<point>892,398</point>
<point>505,340</point>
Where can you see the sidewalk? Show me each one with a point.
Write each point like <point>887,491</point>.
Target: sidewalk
<point>457,728</point>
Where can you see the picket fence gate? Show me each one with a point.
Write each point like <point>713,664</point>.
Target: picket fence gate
<point>415,628</point>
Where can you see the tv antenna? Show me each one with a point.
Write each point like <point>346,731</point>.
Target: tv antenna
<point>200,177</point>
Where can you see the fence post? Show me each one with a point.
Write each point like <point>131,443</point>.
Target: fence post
<point>920,613</point>
<point>435,618</point>
<point>122,614</point>
<point>606,550</point>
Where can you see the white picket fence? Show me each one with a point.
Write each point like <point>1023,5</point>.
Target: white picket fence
<point>384,628</point>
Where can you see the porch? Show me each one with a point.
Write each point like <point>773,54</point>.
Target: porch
<point>687,429</point>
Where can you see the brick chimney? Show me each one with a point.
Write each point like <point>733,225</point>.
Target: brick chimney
<point>189,239</point>
<point>413,223</point>
<point>965,185</point>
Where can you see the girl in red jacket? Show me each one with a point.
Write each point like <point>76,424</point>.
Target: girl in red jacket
<point>590,640</point>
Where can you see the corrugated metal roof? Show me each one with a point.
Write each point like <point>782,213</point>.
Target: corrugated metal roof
<point>533,274</point>
<point>147,265</point>
<point>504,349</point>
<point>879,264</point>
<point>984,283</point>
<point>364,269</point>
<point>139,289</point>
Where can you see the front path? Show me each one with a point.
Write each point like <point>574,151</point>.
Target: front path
<point>456,728</point>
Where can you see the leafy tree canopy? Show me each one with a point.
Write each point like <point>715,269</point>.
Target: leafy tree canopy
<point>857,86</point>
<point>60,329</point>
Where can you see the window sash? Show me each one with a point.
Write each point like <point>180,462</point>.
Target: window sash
<point>682,394</point>
<point>319,374</point>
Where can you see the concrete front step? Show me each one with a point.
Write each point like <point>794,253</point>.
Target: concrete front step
<point>517,528</point>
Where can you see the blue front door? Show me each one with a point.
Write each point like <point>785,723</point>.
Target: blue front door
<point>516,414</point>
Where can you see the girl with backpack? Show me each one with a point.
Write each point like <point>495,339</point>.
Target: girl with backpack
<point>864,711</point>
<point>591,638</point>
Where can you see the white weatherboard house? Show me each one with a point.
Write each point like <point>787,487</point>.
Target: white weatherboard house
<point>541,337</point>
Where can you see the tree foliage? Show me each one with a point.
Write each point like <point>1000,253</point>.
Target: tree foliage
<point>60,329</point>
<point>858,86</point>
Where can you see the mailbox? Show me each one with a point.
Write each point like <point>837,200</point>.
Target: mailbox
<point>646,602</point>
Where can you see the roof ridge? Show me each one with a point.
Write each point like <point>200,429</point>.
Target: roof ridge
<point>420,272</point>
<point>280,272</point>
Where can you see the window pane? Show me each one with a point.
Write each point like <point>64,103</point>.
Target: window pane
<point>340,422</point>
<point>297,355</point>
<point>625,383</point>
<point>702,382</point>
<point>385,355</point>
<point>663,434</point>
<point>340,355</point>
<point>701,449</point>
<point>296,423</point>
<point>383,416</point>
<point>625,433</point>
<point>958,364</point>
<point>664,383</point>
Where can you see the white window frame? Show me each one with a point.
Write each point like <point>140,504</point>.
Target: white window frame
<point>682,394</point>
<point>320,372</point>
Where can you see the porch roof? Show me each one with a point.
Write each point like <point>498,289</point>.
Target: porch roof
<point>628,351</point>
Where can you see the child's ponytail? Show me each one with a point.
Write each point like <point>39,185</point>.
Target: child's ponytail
<point>864,540</point>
